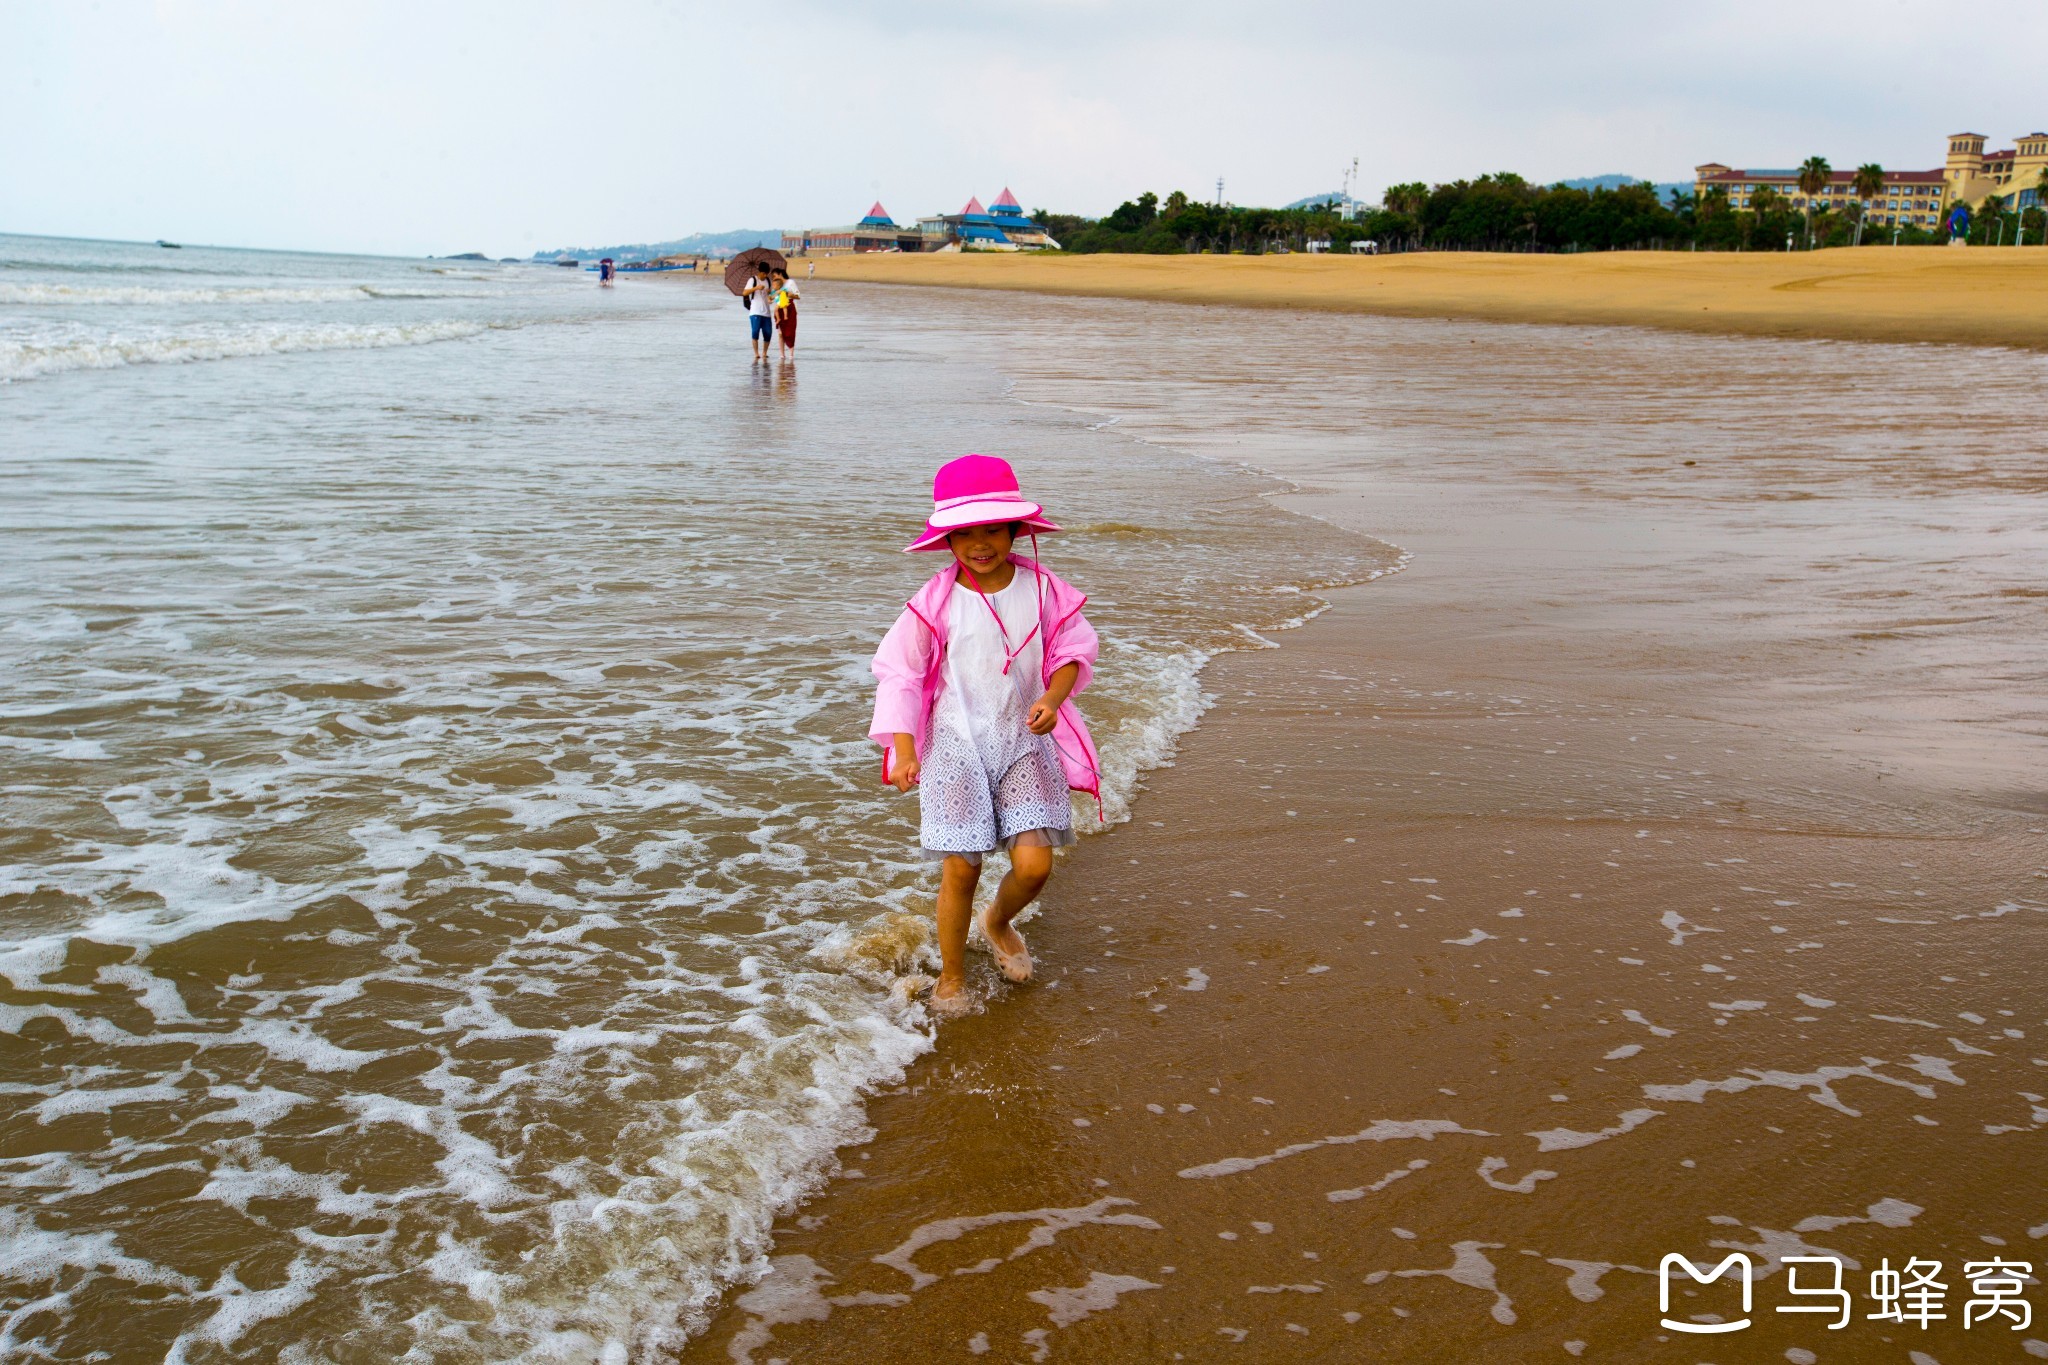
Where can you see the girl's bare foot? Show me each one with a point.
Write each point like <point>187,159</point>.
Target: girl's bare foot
<point>1012,955</point>
<point>950,996</point>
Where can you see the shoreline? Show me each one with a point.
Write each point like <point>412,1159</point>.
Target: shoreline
<point>1975,296</point>
<point>1524,917</point>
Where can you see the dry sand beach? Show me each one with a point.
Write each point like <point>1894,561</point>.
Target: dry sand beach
<point>1975,296</point>
<point>1653,866</point>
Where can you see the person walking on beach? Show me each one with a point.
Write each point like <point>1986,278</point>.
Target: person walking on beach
<point>760,310</point>
<point>786,295</point>
<point>974,707</point>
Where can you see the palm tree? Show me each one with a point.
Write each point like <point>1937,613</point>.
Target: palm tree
<point>1407,199</point>
<point>1869,184</point>
<point>1813,177</point>
<point>1762,200</point>
<point>1983,219</point>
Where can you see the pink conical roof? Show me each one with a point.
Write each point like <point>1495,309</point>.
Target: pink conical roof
<point>878,211</point>
<point>1007,200</point>
<point>974,206</point>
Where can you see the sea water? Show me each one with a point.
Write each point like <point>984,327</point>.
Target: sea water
<point>448,907</point>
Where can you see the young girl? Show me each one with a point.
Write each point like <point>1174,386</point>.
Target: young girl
<point>785,311</point>
<point>974,709</point>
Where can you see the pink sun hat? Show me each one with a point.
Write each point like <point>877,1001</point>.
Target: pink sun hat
<point>976,490</point>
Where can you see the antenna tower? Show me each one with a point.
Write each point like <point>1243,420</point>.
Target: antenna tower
<point>1219,191</point>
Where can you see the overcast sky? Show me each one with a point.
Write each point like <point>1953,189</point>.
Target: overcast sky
<point>452,125</point>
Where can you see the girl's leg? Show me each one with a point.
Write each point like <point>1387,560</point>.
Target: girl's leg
<point>1030,867</point>
<point>957,880</point>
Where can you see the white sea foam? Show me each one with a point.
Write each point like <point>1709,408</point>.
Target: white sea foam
<point>1821,1081</point>
<point>1584,1281</point>
<point>1045,1227</point>
<point>29,359</point>
<point>791,1290</point>
<point>1568,1139</point>
<point>81,750</point>
<point>1491,1166</point>
<point>1888,1213</point>
<point>1399,1173</point>
<point>1381,1130</point>
<point>1067,1306</point>
<point>1470,1267</point>
<point>1167,685</point>
<point>1657,1030</point>
<point>30,1253</point>
<point>45,294</point>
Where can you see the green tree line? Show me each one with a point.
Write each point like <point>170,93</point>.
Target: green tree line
<point>1504,212</point>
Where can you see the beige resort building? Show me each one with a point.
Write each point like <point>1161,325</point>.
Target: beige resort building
<point>1914,198</point>
<point>2014,175</point>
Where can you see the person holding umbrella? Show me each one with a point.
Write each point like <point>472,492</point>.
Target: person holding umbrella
<point>746,275</point>
<point>760,296</point>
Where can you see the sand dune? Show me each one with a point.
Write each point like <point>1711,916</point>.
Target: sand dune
<point>1968,296</point>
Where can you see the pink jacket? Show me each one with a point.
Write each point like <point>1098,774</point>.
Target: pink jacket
<point>909,664</point>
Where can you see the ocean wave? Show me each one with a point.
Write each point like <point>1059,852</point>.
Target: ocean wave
<point>1166,701</point>
<point>541,866</point>
<point>31,359</point>
<point>23,294</point>
<point>617,1254</point>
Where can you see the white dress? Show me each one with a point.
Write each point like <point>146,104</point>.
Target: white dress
<point>987,782</point>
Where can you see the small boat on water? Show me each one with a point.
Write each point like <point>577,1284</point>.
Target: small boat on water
<point>169,246</point>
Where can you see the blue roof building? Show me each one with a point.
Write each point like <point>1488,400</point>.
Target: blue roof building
<point>1002,226</point>
<point>875,232</point>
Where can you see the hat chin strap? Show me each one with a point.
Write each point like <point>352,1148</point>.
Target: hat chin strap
<point>1010,657</point>
<point>1009,654</point>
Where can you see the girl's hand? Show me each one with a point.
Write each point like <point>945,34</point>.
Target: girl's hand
<point>1043,716</point>
<point>903,765</point>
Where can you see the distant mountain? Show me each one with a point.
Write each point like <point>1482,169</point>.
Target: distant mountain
<point>1315,200</point>
<point>696,244</point>
<point>1615,182</point>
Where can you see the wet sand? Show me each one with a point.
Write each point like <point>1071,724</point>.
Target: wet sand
<point>1653,866</point>
<point>1972,296</point>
